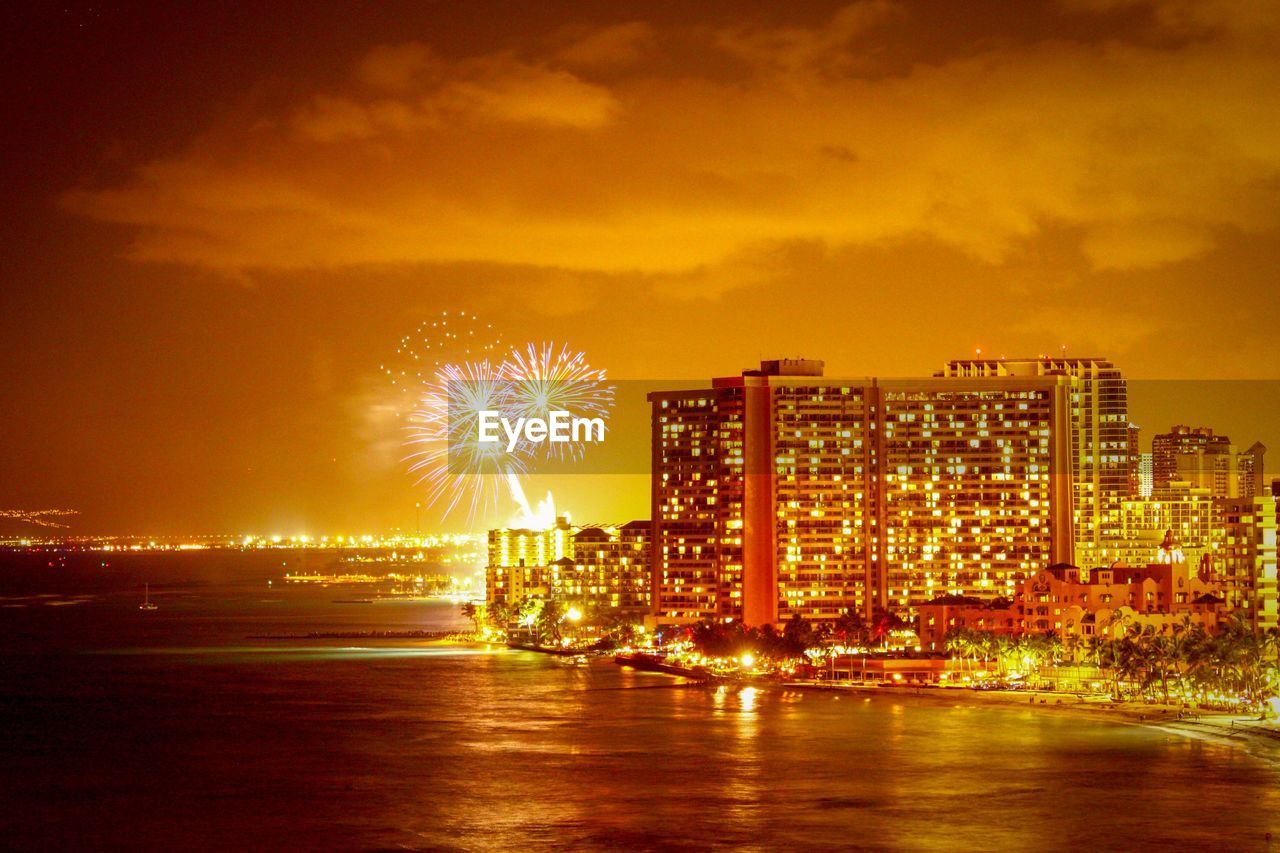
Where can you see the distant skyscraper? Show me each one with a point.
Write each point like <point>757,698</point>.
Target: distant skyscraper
<point>521,547</point>
<point>519,559</point>
<point>1135,460</point>
<point>1195,455</point>
<point>782,491</point>
<point>1250,470</point>
<point>1146,475</point>
<point>1181,440</point>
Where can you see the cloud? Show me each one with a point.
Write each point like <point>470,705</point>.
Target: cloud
<point>680,168</point>
<point>513,91</point>
<point>831,48</point>
<point>1244,18</point>
<point>1091,329</point>
<point>393,67</point>
<point>617,45</point>
<point>1137,245</point>
<point>418,93</point>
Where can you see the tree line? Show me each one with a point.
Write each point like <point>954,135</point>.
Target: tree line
<point>1185,663</point>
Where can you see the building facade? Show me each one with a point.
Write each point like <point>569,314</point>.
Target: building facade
<point>1192,514</point>
<point>1204,460</point>
<point>1064,601</point>
<point>1101,442</point>
<point>597,568</point>
<point>783,492</point>
<point>1244,562</point>
<point>609,570</point>
<point>512,547</point>
<point>1146,475</point>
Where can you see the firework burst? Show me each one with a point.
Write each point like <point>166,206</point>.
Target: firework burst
<point>544,378</point>
<point>447,372</point>
<point>447,458</point>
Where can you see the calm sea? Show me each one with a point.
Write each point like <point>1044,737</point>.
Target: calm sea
<point>173,729</point>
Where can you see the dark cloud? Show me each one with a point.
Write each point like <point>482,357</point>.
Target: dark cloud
<point>521,157</point>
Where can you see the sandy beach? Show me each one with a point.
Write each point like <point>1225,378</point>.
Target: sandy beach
<point>1260,738</point>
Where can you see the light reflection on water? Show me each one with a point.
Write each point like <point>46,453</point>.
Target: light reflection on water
<point>299,652</point>
<point>372,744</point>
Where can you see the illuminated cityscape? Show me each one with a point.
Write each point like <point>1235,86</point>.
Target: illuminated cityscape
<point>784,493</point>
<point>840,425</point>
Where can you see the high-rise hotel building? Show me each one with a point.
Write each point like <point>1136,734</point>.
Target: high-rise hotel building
<point>781,491</point>
<point>1101,443</point>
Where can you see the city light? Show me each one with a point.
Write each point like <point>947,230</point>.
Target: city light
<point>707,426</point>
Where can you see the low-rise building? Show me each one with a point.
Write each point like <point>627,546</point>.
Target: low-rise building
<point>1063,600</point>
<point>609,569</point>
<point>949,613</point>
<point>596,568</point>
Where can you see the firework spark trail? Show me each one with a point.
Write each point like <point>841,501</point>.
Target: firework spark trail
<point>449,338</point>
<point>38,517</point>
<point>545,378</point>
<point>449,459</point>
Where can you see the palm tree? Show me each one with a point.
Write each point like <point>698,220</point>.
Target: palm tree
<point>960,643</point>
<point>797,636</point>
<point>1095,647</point>
<point>498,614</point>
<point>1119,620</point>
<point>477,613</point>
<point>1203,664</point>
<point>531,614</point>
<point>849,626</point>
<point>550,617</point>
<point>821,634</point>
<point>1132,664</point>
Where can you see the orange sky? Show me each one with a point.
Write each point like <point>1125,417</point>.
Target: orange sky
<point>225,218</point>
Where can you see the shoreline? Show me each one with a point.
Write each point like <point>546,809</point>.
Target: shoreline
<point>1259,739</point>
<point>1256,738</point>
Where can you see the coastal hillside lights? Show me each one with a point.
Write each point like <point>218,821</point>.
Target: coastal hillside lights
<point>559,427</point>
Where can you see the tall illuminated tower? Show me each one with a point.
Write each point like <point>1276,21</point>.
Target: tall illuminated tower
<point>1100,442</point>
<point>782,491</point>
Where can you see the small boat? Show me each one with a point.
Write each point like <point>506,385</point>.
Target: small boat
<point>147,603</point>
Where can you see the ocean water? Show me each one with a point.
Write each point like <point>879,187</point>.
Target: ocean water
<point>124,729</point>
